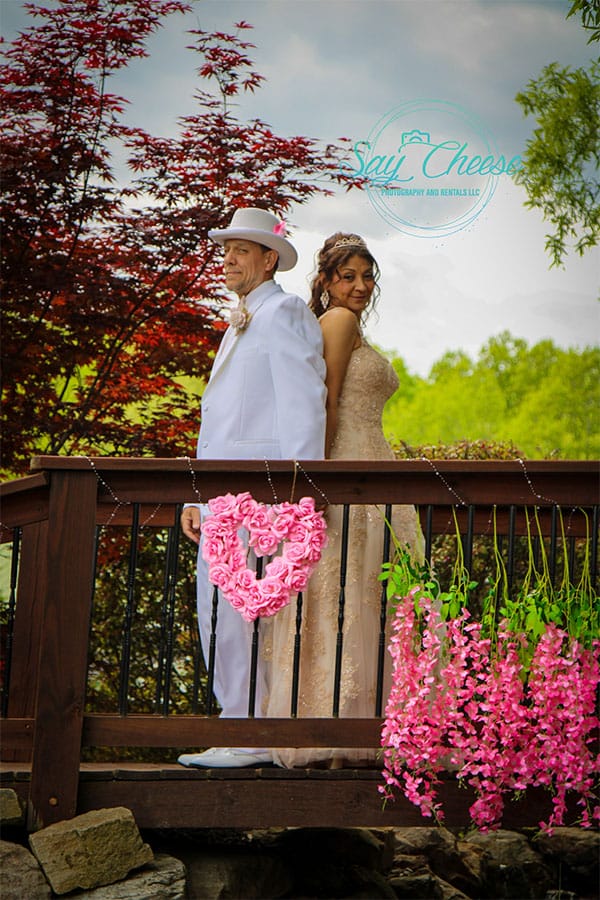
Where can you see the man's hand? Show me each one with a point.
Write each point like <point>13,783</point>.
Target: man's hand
<point>190,523</point>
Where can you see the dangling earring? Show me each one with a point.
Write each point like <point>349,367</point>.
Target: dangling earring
<point>325,299</point>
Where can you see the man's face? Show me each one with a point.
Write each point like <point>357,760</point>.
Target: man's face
<point>246,265</point>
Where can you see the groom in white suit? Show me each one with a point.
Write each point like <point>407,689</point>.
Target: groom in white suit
<point>265,399</point>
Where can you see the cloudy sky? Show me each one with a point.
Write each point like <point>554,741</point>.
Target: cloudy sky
<point>338,68</point>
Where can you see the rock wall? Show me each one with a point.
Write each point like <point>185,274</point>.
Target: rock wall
<point>388,863</point>
<point>105,852</point>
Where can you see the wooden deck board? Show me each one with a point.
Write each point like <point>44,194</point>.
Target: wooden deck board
<point>164,795</point>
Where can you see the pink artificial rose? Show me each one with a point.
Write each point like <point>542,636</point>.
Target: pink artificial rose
<point>221,575</point>
<point>307,505</point>
<point>311,554</point>
<point>246,504</point>
<point>263,540</point>
<point>232,541</point>
<point>213,527</point>
<point>285,519</point>
<point>272,596</point>
<point>316,523</point>
<point>245,581</point>
<point>259,519</point>
<point>225,505</point>
<point>237,559</point>
<point>294,553</point>
<point>318,541</point>
<point>278,568</point>
<point>237,600</point>
<point>295,577</point>
<point>299,533</point>
<point>298,578</point>
<point>222,531</point>
<point>214,549</point>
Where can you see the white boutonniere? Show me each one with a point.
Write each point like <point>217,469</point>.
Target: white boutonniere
<point>239,318</point>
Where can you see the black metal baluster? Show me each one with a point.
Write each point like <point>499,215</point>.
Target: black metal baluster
<point>383,613</point>
<point>129,613</point>
<point>553,544</point>
<point>536,551</point>
<point>594,559</point>
<point>172,572</point>
<point>162,646</point>
<point>12,601</point>
<point>510,562</point>
<point>254,652</point>
<point>341,604</point>
<point>572,558</point>
<point>197,676</point>
<point>296,662</point>
<point>212,653</point>
<point>428,533</point>
<point>500,546</point>
<point>97,534</point>
<point>467,540</point>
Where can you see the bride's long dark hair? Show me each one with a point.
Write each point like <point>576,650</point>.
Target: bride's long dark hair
<point>329,259</point>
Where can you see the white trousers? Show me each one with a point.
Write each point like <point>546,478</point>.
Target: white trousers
<point>232,652</point>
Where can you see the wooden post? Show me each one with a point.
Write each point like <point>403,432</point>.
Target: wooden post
<point>63,648</point>
<point>28,628</point>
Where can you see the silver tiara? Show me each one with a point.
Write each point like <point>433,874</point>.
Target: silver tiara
<point>350,242</point>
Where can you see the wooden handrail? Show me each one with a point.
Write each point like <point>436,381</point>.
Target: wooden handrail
<point>418,481</point>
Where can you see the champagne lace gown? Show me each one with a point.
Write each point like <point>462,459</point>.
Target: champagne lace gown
<point>370,381</point>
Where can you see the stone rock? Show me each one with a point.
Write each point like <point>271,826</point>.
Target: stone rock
<point>96,848</point>
<point>471,874</point>
<point>409,886</point>
<point>20,875</point>
<point>356,864</point>
<point>409,863</point>
<point>11,812</point>
<point>343,862</point>
<point>162,879</point>
<point>387,843</point>
<point>364,847</point>
<point>514,869</point>
<point>212,875</point>
<point>577,852</point>
<point>423,840</point>
<point>460,865</point>
<point>365,884</point>
<point>449,892</point>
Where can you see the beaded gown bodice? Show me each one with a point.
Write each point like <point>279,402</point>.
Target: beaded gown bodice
<point>369,383</point>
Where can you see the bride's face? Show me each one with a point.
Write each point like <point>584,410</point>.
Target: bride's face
<point>352,285</point>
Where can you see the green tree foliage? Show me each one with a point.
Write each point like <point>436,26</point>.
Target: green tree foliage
<point>567,401</point>
<point>589,10</point>
<point>561,161</point>
<point>541,399</point>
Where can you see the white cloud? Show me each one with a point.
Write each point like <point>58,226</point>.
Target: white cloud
<point>441,295</point>
<point>335,67</point>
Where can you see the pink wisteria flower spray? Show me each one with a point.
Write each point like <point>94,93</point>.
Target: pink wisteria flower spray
<point>500,708</point>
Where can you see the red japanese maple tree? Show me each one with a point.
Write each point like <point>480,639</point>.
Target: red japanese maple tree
<point>111,290</point>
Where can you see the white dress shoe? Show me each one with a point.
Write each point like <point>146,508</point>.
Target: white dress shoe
<point>225,758</point>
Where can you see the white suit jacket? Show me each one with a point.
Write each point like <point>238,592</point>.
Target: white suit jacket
<point>266,394</point>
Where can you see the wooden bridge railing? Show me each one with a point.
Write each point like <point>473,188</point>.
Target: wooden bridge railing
<point>53,514</point>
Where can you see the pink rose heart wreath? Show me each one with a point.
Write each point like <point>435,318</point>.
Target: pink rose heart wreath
<point>297,526</point>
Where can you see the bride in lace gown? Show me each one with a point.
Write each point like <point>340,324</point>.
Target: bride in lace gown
<point>359,382</point>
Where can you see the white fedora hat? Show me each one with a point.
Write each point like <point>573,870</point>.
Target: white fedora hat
<point>262,227</point>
